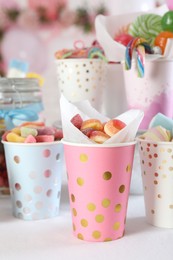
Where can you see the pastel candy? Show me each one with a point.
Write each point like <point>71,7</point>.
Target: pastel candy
<point>33,124</point>
<point>30,139</point>
<point>13,137</point>
<point>44,138</point>
<point>162,120</point>
<point>25,131</point>
<point>46,130</point>
<point>158,134</point>
<point>58,134</point>
<point>16,130</point>
<point>147,26</point>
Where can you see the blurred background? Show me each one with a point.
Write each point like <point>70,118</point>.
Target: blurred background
<point>33,30</point>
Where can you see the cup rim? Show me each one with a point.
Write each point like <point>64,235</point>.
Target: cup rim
<point>138,139</point>
<point>30,144</point>
<point>79,60</point>
<point>95,145</point>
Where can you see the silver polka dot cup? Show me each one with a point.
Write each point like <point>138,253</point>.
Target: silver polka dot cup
<point>98,183</point>
<point>157,175</point>
<point>81,79</point>
<point>34,172</point>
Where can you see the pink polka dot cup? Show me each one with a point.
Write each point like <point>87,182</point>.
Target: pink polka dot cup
<point>157,176</point>
<point>82,79</point>
<point>34,173</point>
<point>98,182</point>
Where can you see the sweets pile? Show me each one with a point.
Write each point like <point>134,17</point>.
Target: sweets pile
<point>93,52</point>
<point>32,132</point>
<point>160,129</point>
<point>97,131</point>
<point>148,33</point>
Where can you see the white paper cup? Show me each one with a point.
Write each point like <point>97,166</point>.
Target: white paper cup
<point>34,172</point>
<point>81,79</point>
<point>154,92</point>
<point>157,176</point>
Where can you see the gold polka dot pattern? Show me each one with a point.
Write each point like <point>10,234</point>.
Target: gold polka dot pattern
<point>158,181</point>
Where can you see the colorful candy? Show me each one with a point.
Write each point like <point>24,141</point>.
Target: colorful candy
<point>32,133</point>
<point>97,131</point>
<point>161,40</point>
<point>167,21</point>
<point>124,38</point>
<point>158,133</point>
<point>147,26</point>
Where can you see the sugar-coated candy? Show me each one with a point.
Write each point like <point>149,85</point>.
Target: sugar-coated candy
<point>44,138</point>
<point>99,137</point>
<point>77,121</point>
<point>161,120</point>
<point>113,126</point>
<point>92,123</point>
<point>158,133</point>
<point>97,131</point>
<point>15,138</point>
<point>25,131</point>
<point>167,21</point>
<point>33,132</point>
<point>161,40</point>
<point>30,139</point>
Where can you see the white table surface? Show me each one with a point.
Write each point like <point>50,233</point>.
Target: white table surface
<point>53,239</point>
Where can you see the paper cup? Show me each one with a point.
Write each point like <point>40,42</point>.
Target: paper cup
<point>98,182</point>
<point>80,79</point>
<point>34,172</point>
<point>114,93</point>
<point>154,92</point>
<point>157,176</point>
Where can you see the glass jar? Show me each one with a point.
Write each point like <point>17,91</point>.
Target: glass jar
<point>20,101</point>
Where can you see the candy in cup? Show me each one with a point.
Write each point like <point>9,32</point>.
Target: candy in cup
<point>34,156</point>
<point>99,169</point>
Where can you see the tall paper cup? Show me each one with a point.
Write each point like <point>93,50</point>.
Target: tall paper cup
<point>154,92</point>
<point>157,176</point>
<point>98,182</point>
<point>34,172</point>
<point>80,79</point>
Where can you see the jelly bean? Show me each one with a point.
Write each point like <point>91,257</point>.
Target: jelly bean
<point>167,21</point>
<point>44,138</point>
<point>12,137</point>
<point>25,131</point>
<point>161,40</point>
<point>30,139</point>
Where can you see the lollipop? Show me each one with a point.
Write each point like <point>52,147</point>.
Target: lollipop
<point>147,26</point>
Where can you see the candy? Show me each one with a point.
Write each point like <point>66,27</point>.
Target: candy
<point>162,120</point>
<point>113,126</point>
<point>124,38</point>
<point>44,138</point>
<point>77,121</point>
<point>99,137</point>
<point>147,26</point>
<point>25,131</point>
<point>12,137</point>
<point>161,40</point>
<point>167,21</point>
<point>30,139</point>
<point>158,134</point>
<point>139,45</point>
<point>31,133</point>
<point>95,124</point>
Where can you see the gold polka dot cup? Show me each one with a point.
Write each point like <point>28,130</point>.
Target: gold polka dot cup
<point>34,172</point>
<point>157,175</point>
<point>82,79</point>
<point>98,182</point>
